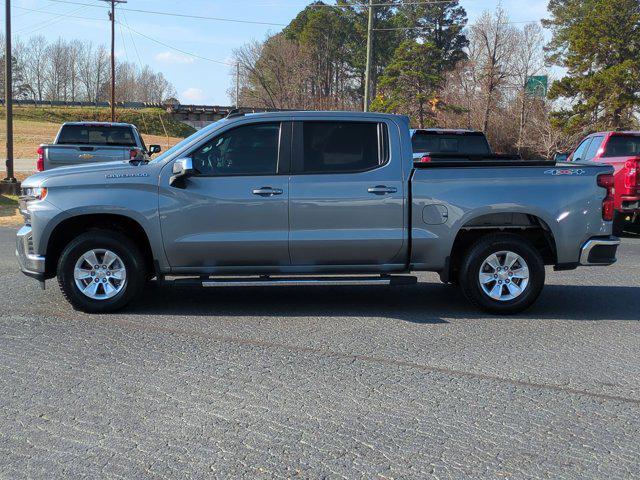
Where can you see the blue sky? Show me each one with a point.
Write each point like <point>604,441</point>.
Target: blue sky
<point>196,80</point>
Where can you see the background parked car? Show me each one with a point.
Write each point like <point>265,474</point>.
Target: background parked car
<point>622,151</point>
<point>90,142</point>
<point>447,144</point>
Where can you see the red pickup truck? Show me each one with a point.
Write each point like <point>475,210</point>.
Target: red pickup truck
<point>622,151</point>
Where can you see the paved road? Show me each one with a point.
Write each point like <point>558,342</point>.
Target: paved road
<point>309,382</point>
<point>24,165</point>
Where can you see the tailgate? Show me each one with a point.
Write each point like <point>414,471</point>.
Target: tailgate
<point>62,155</point>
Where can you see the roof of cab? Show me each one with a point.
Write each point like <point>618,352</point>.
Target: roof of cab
<point>100,124</point>
<point>315,113</point>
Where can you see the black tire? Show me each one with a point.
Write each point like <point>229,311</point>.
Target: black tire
<point>474,259</point>
<point>619,224</point>
<point>119,244</point>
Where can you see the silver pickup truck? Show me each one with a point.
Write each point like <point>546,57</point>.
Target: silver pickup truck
<point>295,198</point>
<point>91,142</point>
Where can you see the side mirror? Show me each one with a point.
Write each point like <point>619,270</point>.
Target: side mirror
<point>182,169</point>
<point>154,149</point>
<point>560,156</point>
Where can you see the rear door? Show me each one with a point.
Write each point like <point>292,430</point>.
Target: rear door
<point>346,204</point>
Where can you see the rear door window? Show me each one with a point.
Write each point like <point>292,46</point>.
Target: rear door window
<point>96,135</point>
<point>623,146</point>
<point>594,146</point>
<point>578,154</point>
<point>342,147</point>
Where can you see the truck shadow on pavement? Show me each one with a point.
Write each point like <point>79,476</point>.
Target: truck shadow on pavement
<point>424,303</point>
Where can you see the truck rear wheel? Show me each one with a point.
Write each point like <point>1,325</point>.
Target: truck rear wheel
<point>101,271</point>
<point>502,274</point>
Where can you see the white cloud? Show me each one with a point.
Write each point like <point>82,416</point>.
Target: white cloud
<point>171,57</point>
<point>193,94</point>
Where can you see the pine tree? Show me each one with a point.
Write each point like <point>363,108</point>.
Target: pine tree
<point>598,42</point>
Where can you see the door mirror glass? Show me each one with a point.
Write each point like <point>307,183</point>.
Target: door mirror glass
<point>182,169</point>
<point>154,149</point>
<point>560,156</point>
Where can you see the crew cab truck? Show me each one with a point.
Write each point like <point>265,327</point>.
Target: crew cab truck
<point>621,150</point>
<point>292,198</point>
<point>84,142</point>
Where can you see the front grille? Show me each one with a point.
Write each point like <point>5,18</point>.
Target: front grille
<point>30,248</point>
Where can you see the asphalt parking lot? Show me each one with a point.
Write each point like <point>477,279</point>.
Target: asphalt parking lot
<point>323,382</point>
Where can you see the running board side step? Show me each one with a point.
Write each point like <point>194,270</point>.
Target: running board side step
<point>293,281</point>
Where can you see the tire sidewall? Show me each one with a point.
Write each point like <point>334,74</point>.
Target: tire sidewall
<point>476,257</point>
<point>121,246</point>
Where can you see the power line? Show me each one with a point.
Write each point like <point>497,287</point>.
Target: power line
<point>425,27</point>
<point>58,17</point>
<point>183,15</point>
<point>176,48</point>
<point>55,14</point>
<point>135,48</point>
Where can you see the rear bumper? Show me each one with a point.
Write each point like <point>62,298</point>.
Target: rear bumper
<point>30,264</point>
<point>599,251</point>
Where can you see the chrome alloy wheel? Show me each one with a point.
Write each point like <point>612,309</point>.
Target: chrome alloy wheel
<point>504,276</point>
<point>100,274</point>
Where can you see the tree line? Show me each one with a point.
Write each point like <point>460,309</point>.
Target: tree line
<point>430,63</point>
<point>71,70</point>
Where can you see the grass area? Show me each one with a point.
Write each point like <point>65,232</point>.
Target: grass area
<point>152,121</point>
<point>28,134</point>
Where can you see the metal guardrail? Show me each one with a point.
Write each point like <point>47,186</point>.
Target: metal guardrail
<point>62,103</point>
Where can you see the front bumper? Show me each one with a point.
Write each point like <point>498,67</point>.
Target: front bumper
<point>31,264</point>
<point>599,251</point>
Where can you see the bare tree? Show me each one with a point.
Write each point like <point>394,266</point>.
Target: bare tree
<point>528,60</point>
<point>35,60</point>
<point>496,42</point>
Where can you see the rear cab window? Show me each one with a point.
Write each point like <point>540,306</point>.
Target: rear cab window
<point>467,143</point>
<point>121,136</point>
<point>622,146</point>
<point>340,146</point>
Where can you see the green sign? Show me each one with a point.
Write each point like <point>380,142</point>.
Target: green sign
<point>537,86</point>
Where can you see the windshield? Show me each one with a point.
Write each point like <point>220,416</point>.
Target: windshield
<point>469,143</point>
<point>183,143</point>
<point>96,135</point>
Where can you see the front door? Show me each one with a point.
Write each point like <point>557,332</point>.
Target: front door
<point>346,196</point>
<point>234,213</point>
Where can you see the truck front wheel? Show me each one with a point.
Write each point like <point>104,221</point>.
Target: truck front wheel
<point>101,271</point>
<point>502,274</point>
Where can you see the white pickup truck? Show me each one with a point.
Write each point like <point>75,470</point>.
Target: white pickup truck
<point>91,142</point>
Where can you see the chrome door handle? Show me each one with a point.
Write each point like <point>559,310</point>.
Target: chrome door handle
<point>381,190</point>
<point>267,191</point>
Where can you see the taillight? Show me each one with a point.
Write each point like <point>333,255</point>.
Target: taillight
<point>631,180</point>
<point>607,181</point>
<point>425,159</point>
<point>40,162</point>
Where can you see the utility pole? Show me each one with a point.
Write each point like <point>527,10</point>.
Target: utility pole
<point>237,84</point>
<point>8,93</point>
<point>367,73</point>
<point>112,17</point>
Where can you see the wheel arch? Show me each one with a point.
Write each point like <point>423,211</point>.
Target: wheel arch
<point>70,227</point>
<point>527,225</point>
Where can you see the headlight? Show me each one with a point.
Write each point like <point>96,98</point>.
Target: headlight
<point>34,193</point>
